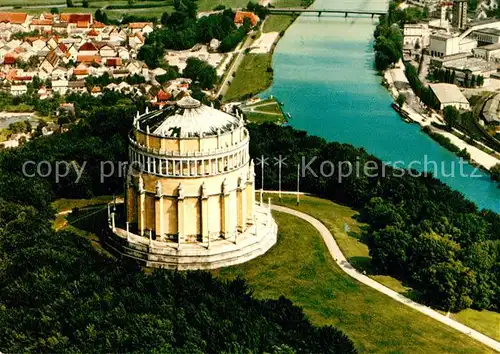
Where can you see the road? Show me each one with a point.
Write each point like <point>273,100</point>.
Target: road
<point>342,262</point>
<point>236,63</point>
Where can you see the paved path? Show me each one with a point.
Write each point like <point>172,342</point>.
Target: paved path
<point>342,262</point>
<point>237,61</point>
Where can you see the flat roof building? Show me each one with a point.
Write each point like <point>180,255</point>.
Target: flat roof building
<point>449,95</point>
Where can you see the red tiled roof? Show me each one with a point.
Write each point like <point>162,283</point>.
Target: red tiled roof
<point>9,59</point>
<point>88,59</point>
<point>62,47</point>
<point>240,16</point>
<point>87,46</point>
<point>82,24</point>
<point>92,33</point>
<point>163,96</point>
<point>52,58</point>
<point>48,16</point>
<point>41,22</point>
<point>98,24</point>
<point>75,18</point>
<point>114,62</point>
<point>13,17</point>
<point>139,25</point>
<point>80,72</point>
<point>11,74</point>
<point>95,89</point>
<point>22,78</point>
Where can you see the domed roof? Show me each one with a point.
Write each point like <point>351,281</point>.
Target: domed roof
<point>189,118</point>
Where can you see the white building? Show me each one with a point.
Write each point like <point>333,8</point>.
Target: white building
<point>416,33</point>
<point>449,95</point>
<point>489,52</point>
<point>443,44</point>
<point>17,90</point>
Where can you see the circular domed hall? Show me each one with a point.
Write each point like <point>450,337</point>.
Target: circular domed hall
<point>189,194</point>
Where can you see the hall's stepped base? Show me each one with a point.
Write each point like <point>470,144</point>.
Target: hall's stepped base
<point>221,253</point>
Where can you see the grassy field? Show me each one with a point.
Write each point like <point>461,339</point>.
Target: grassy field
<point>300,268</point>
<point>277,23</point>
<point>251,77</point>
<point>259,118</point>
<point>342,223</point>
<point>68,204</point>
<point>209,5</point>
<point>112,14</point>
<point>264,111</point>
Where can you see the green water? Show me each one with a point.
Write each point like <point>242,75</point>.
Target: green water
<point>323,73</point>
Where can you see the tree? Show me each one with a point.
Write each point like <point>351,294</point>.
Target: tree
<point>101,16</point>
<point>453,77</point>
<point>69,3</point>
<point>200,72</point>
<point>165,17</point>
<point>451,116</point>
<point>85,3</point>
<point>401,99</point>
<point>495,172</point>
<point>130,3</point>
<point>473,81</point>
<point>417,44</point>
<point>54,10</point>
<point>467,80</point>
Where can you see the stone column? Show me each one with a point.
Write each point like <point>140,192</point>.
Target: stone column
<point>250,191</point>
<point>159,213</point>
<point>242,205</point>
<point>225,222</point>
<point>204,213</point>
<point>141,207</point>
<point>180,215</point>
<point>130,200</point>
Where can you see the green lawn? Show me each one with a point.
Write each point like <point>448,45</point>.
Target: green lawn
<point>251,77</point>
<point>350,240</point>
<point>292,3</point>
<point>277,23</point>
<point>300,268</point>
<point>264,111</point>
<point>68,204</point>
<point>259,118</point>
<point>112,14</point>
<point>209,5</point>
<point>62,204</point>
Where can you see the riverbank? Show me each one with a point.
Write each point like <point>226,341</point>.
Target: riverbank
<point>255,73</point>
<point>477,156</point>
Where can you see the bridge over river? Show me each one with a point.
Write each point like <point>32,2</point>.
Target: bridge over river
<point>326,11</point>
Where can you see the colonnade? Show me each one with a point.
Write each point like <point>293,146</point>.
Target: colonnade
<point>235,217</point>
<point>188,167</point>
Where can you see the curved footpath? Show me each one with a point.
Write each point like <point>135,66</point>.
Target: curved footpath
<point>342,262</point>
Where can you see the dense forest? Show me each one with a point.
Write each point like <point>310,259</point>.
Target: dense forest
<point>59,295</point>
<point>421,231</point>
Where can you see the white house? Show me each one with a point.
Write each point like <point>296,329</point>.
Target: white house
<point>17,90</point>
<point>60,86</point>
<point>107,51</point>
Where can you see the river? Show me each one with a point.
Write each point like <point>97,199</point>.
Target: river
<point>324,75</point>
